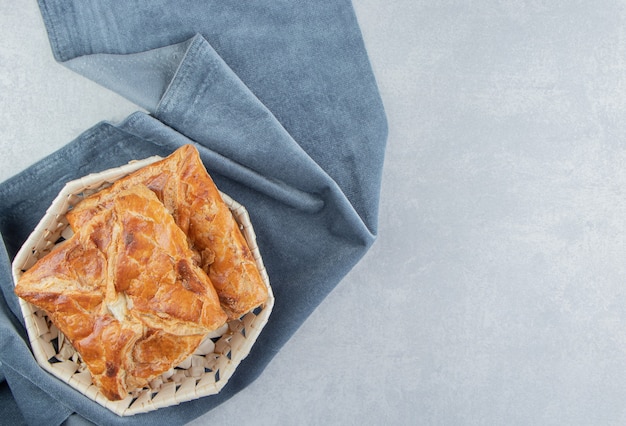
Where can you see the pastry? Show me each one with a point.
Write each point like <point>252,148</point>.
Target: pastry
<point>126,291</point>
<point>183,185</point>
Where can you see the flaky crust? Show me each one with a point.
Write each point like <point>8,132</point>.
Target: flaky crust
<point>182,183</point>
<point>125,291</point>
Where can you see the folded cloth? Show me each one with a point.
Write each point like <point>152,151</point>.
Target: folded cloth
<point>280,100</point>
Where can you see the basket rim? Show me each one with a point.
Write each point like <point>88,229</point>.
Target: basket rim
<point>53,223</point>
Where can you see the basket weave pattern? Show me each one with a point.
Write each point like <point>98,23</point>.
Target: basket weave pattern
<point>203,373</point>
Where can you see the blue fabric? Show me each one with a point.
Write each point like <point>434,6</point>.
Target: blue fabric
<point>279,98</point>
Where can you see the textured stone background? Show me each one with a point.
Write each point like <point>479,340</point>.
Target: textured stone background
<point>495,293</point>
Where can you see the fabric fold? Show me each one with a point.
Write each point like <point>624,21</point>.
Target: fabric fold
<point>142,77</point>
<point>305,62</point>
<point>281,191</point>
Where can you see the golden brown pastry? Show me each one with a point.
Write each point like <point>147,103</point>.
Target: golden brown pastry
<point>125,291</point>
<point>183,185</point>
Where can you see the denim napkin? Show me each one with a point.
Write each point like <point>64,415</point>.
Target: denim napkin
<point>280,99</point>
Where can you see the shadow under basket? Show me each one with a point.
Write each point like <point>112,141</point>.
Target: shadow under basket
<point>203,373</point>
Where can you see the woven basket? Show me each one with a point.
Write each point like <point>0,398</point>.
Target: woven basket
<point>204,373</point>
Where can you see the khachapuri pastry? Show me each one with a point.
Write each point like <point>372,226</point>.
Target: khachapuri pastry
<point>183,185</point>
<point>126,291</point>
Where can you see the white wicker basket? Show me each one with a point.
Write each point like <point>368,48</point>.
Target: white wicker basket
<point>204,373</point>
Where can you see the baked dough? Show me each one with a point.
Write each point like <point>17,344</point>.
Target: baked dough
<point>182,183</point>
<point>125,291</point>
